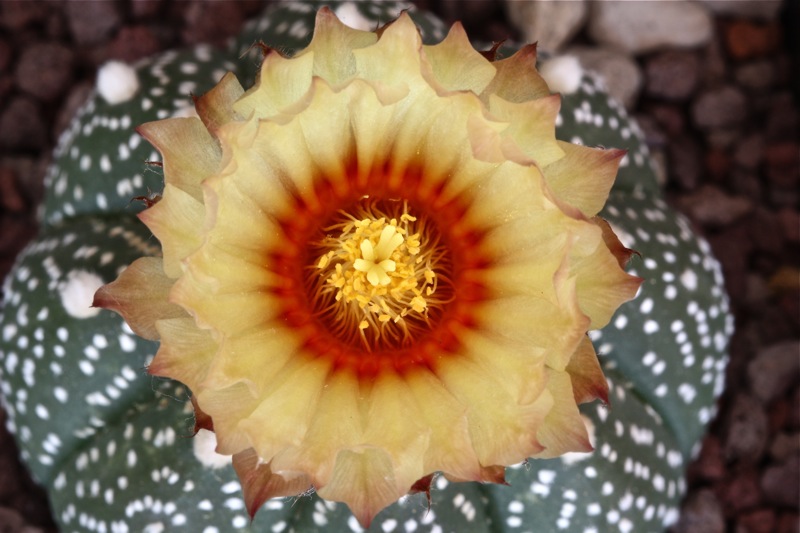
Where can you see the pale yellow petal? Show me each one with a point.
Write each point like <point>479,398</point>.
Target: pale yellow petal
<point>337,424</point>
<point>499,430</point>
<point>185,353</point>
<point>563,429</point>
<point>175,221</point>
<point>363,479</point>
<point>332,46</point>
<point>190,154</point>
<point>215,107</point>
<point>521,364</point>
<point>140,294</point>
<point>281,84</point>
<point>395,59</point>
<point>261,483</point>
<point>287,406</point>
<point>588,381</point>
<point>228,313</point>
<point>535,135</point>
<point>456,65</point>
<point>227,408</point>
<point>602,285</point>
<point>584,176</point>
<point>253,358</point>
<point>391,400</point>
<point>517,79</point>
<point>450,449</point>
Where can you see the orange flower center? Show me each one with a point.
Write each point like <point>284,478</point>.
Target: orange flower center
<point>370,281</point>
<point>382,275</point>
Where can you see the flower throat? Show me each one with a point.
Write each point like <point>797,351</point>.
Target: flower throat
<point>381,275</point>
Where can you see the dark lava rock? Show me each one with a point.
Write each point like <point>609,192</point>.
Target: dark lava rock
<point>758,521</point>
<point>746,429</point>
<point>774,370</point>
<point>701,512</point>
<point>672,75</point>
<point>719,108</point>
<point>22,126</point>
<point>710,206</point>
<point>685,162</point>
<point>749,151</point>
<point>781,483</point>
<point>92,22</point>
<point>44,70</point>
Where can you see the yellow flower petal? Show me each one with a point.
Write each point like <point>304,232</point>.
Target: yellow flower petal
<point>456,66</point>
<point>517,79</point>
<point>140,295</point>
<point>189,152</point>
<point>584,176</point>
<point>260,482</point>
<point>174,221</point>
<point>588,381</point>
<point>536,134</point>
<point>331,46</point>
<point>563,429</point>
<point>215,108</point>
<point>185,351</point>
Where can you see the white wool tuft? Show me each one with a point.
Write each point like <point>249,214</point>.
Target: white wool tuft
<point>349,14</point>
<point>117,82</point>
<point>562,74</point>
<point>77,293</point>
<point>204,446</point>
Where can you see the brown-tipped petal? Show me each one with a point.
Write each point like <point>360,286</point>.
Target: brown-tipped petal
<point>536,135</point>
<point>140,294</point>
<point>494,474</point>
<point>260,483</point>
<point>215,107</point>
<point>620,251</point>
<point>201,419</point>
<point>456,65</point>
<point>189,152</point>
<point>602,285</point>
<point>423,485</point>
<point>588,381</point>
<point>563,429</point>
<point>332,46</point>
<point>185,353</point>
<point>364,480</point>
<point>517,79</point>
<point>584,176</point>
<point>174,221</point>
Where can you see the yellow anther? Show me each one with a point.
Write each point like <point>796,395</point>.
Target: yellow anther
<point>378,271</point>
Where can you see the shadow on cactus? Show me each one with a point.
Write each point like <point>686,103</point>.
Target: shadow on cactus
<point>380,275</point>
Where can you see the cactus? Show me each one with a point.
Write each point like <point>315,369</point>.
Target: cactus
<point>112,445</point>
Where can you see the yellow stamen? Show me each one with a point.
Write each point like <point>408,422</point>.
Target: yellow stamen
<point>378,270</point>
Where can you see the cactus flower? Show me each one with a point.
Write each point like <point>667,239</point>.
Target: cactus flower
<point>378,264</point>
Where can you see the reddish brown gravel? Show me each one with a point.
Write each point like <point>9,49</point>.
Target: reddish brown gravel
<point>723,119</point>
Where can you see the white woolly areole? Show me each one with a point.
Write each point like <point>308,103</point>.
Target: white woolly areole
<point>204,446</point>
<point>575,457</point>
<point>349,14</point>
<point>77,293</point>
<point>117,82</point>
<point>562,74</point>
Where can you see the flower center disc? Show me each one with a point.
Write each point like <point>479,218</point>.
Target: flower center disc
<point>379,276</point>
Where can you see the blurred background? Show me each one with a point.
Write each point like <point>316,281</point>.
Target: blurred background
<point>714,84</point>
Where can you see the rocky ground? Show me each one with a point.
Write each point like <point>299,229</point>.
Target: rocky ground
<point>716,88</point>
